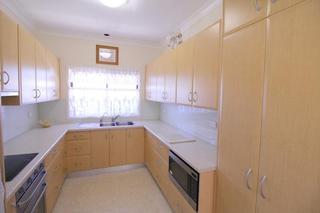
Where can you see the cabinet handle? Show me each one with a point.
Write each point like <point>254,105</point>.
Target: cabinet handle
<point>8,78</point>
<point>249,173</point>
<point>39,93</point>
<point>274,1</point>
<point>195,97</point>
<point>262,182</point>
<point>190,97</point>
<point>257,5</point>
<point>165,95</point>
<point>36,93</point>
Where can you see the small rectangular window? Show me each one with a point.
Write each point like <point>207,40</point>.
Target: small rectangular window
<point>94,92</point>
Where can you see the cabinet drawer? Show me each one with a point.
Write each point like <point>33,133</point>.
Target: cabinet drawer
<point>78,163</point>
<point>77,136</point>
<point>78,147</point>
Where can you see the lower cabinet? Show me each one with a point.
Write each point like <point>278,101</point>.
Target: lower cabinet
<point>100,149</point>
<point>157,161</point>
<point>135,145</point>
<point>56,172</point>
<point>78,150</point>
<point>118,147</point>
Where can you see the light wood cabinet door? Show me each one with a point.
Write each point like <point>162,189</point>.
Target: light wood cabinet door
<point>185,62</point>
<point>41,73</point>
<point>170,73</point>
<point>238,13</point>
<point>290,150</point>
<point>207,67</point>
<point>151,82</point>
<point>278,5</point>
<point>53,77</point>
<point>135,145</point>
<point>27,56</point>
<point>9,54</point>
<point>160,76</point>
<point>99,149</point>
<point>118,147</point>
<point>241,111</point>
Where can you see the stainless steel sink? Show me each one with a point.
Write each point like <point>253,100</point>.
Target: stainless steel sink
<point>108,124</point>
<point>105,124</point>
<point>126,123</point>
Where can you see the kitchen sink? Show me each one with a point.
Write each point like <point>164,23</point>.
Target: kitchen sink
<point>127,123</point>
<point>106,124</point>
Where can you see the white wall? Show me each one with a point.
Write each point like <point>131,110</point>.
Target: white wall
<point>201,123</point>
<point>18,119</point>
<point>81,52</point>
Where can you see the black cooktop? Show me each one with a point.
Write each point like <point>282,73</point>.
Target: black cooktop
<point>15,163</point>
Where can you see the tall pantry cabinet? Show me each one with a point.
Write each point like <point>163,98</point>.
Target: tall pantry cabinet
<point>269,150</point>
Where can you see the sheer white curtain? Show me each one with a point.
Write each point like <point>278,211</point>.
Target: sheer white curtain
<point>95,91</point>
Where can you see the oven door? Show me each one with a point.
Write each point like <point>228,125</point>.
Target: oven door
<point>33,201</point>
<point>185,178</point>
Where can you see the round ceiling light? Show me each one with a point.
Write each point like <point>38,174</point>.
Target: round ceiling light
<point>113,3</point>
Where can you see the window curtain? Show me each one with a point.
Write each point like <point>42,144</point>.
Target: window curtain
<point>95,91</point>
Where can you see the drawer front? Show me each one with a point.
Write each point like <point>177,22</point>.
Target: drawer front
<point>78,163</point>
<point>78,147</point>
<point>77,136</point>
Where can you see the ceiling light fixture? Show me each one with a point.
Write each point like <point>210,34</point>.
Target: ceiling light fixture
<point>113,3</point>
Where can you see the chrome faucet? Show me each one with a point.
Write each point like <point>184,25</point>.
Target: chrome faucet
<point>113,119</point>
<point>102,118</point>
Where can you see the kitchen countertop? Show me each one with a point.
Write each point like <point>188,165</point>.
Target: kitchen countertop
<point>200,155</point>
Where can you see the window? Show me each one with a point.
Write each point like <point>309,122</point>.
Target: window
<point>94,92</point>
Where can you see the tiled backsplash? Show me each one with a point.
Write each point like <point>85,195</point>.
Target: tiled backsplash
<point>201,123</point>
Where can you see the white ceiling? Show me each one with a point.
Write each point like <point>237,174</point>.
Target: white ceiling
<point>148,21</point>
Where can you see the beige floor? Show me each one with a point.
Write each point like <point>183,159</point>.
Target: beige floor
<point>132,191</point>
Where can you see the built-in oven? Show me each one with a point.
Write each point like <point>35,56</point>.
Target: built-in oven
<point>185,178</point>
<point>30,198</point>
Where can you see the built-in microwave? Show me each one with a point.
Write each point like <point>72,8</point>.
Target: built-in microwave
<point>185,178</point>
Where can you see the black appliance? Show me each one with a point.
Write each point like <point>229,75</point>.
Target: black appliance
<point>30,197</point>
<point>15,163</point>
<point>185,178</point>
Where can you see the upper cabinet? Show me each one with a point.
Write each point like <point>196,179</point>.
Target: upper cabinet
<point>168,72</point>
<point>188,75</point>
<point>278,5</point>
<point>29,69</point>
<point>242,12</point>
<point>41,73</point>
<point>53,76</point>
<point>207,67</point>
<point>185,66</point>
<point>27,45</point>
<point>161,78</point>
<point>9,54</point>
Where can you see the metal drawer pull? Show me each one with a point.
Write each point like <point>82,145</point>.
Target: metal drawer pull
<point>8,78</point>
<point>248,174</point>
<point>258,7</point>
<point>262,181</point>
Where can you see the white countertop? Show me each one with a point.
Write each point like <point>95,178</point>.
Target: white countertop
<point>200,155</point>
